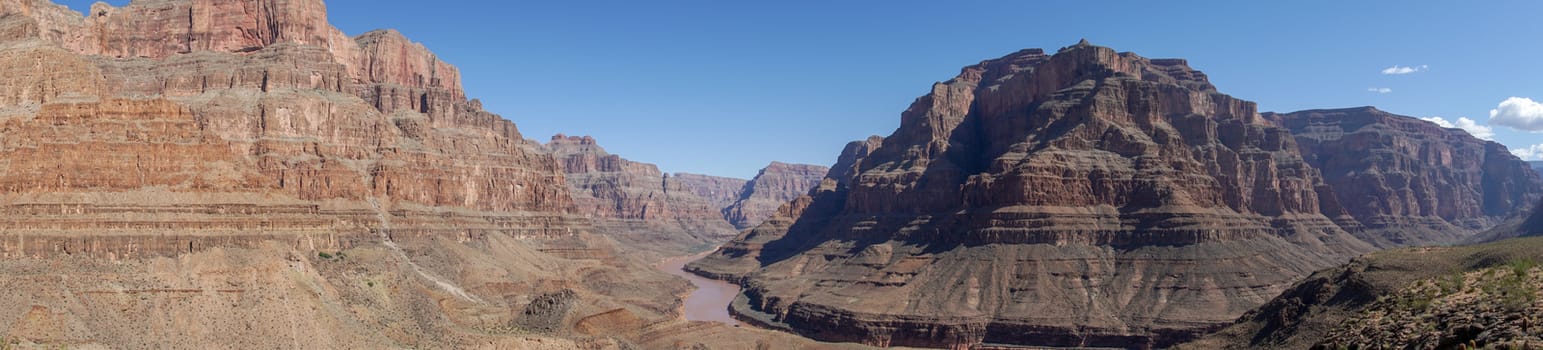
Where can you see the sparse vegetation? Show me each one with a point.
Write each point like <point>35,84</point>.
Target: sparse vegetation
<point>1520,267</point>
<point>1451,283</point>
<point>1516,292</point>
<point>324,255</point>
<point>1486,308</point>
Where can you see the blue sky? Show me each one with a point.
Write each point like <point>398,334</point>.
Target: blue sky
<point>724,87</point>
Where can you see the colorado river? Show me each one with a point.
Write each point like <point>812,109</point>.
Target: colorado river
<point>710,301</point>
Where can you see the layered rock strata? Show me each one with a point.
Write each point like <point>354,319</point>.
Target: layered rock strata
<point>1406,181</point>
<point>775,185</point>
<point>1084,198</point>
<point>634,201</point>
<point>278,114</point>
<point>720,192</point>
<point>240,174</point>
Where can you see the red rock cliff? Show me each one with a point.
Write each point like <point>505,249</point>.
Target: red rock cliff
<point>189,173</point>
<point>1085,198</point>
<point>212,105</point>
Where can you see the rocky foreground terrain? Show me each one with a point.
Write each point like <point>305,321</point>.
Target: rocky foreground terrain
<point>1095,198</point>
<point>240,174</point>
<point>1487,296</point>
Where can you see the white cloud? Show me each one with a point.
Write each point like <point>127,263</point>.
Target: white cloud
<point>1534,152</point>
<point>1439,121</point>
<point>1518,113</point>
<point>1379,90</point>
<point>1401,70</point>
<point>1469,125</point>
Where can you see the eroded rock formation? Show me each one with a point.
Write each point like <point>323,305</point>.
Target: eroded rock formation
<point>309,131</point>
<point>775,185</point>
<point>720,192</point>
<point>240,174</point>
<point>634,201</point>
<point>1084,198</point>
<point>1406,181</point>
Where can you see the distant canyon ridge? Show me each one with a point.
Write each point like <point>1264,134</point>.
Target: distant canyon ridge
<point>673,213</point>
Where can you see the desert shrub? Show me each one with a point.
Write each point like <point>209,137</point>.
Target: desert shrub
<point>1520,267</point>
<point>1451,283</point>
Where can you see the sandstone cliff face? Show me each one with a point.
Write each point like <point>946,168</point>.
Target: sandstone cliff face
<point>1406,181</point>
<point>776,184</point>
<point>1085,198</point>
<point>635,202</point>
<point>172,170</point>
<point>263,105</point>
<point>720,192</point>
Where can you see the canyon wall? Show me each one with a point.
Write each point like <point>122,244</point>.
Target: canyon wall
<point>775,185</point>
<point>240,174</point>
<point>635,202</point>
<point>1081,198</point>
<point>1407,181</point>
<point>720,192</point>
<point>268,108</point>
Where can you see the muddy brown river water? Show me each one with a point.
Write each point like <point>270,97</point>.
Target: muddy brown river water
<point>710,301</point>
